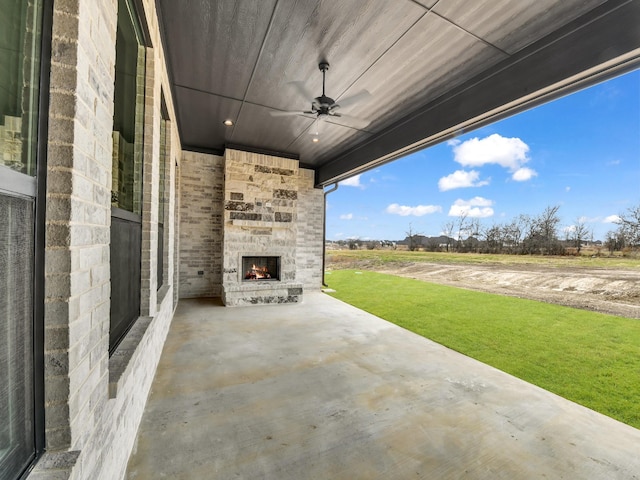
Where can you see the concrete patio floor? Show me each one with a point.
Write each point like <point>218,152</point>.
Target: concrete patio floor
<point>322,390</point>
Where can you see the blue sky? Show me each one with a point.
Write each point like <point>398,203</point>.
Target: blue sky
<point>581,152</point>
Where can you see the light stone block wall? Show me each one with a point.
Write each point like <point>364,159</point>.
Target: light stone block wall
<point>150,196</point>
<point>93,402</point>
<point>310,232</point>
<point>261,195</point>
<point>260,219</point>
<point>175,242</point>
<point>271,208</point>
<point>168,162</point>
<point>77,276</point>
<point>201,209</point>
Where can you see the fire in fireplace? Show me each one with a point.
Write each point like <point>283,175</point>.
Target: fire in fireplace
<point>261,268</point>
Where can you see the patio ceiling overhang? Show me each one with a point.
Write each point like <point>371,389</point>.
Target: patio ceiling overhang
<point>433,68</point>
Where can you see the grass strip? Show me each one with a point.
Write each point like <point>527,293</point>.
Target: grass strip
<point>589,358</point>
<point>383,257</point>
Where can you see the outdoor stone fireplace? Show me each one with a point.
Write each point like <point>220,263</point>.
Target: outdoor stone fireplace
<point>260,231</point>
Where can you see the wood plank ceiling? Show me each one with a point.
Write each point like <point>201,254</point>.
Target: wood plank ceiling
<point>432,68</point>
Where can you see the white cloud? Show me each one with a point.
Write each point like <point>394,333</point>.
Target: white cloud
<point>477,207</point>
<point>509,153</point>
<point>352,182</point>
<point>567,189</point>
<point>613,163</point>
<point>461,179</point>
<point>476,202</point>
<point>346,216</point>
<point>417,211</point>
<point>611,219</point>
<point>523,174</point>
<point>471,212</point>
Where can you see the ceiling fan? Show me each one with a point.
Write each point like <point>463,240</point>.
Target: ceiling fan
<point>324,107</point>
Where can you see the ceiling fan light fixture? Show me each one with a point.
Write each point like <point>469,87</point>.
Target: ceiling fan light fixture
<point>228,122</point>
<point>315,139</point>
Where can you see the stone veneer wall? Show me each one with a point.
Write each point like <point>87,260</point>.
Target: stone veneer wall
<point>93,401</point>
<point>201,207</point>
<point>310,239</point>
<point>262,206</point>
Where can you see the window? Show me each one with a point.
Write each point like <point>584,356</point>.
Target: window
<point>128,115</point>
<point>20,432</point>
<point>16,336</point>
<point>19,78</point>
<point>164,155</point>
<point>126,192</point>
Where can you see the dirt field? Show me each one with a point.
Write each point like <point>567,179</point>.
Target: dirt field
<point>616,292</point>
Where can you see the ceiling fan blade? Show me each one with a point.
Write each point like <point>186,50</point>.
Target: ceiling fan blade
<point>352,100</point>
<point>283,113</point>
<point>351,121</point>
<point>302,90</point>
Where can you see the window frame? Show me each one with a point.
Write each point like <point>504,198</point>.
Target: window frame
<point>121,215</point>
<point>17,184</point>
<point>163,176</point>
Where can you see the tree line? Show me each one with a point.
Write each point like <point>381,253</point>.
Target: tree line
<point>528,235</point>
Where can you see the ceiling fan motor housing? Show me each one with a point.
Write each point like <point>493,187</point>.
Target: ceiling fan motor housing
<point>323,104</point>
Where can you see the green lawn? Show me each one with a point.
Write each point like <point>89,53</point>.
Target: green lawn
<point>589,358</point>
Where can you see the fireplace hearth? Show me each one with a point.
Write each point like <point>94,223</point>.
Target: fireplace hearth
<point>256,269</point>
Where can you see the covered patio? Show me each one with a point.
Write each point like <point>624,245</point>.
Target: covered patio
<point>320,389</point>
<point>159,155</point>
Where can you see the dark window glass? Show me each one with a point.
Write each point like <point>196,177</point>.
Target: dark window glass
<point>126,242</point>
<point>17,440</point>
<point>126,191</point>
<point>19,78</point>
<point>20,41</point>
<point>164,125</point>
<point>128,114</point>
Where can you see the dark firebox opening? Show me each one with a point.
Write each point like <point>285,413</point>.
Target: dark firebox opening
<point>261,268</point>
